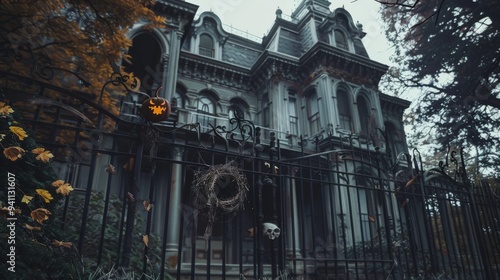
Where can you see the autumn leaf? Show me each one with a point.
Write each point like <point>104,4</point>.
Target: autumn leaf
<point>47,197</point>
<point>147,205</point>
<point>2,136</point>
<point>19,132</point>
<point>111,169</point>
<point>32,228</point>
<point>57,183</point>
<point>5,110</point>
<point>172,261</point>
<point>411,182</point>
<point>26,199</point>
<point>43,155</point>
<point>145,239</point>
<point>13,153</point>
<point>129,166</point>
<point>58,243</point>
<point>40,215</point>
<point>4,212</point>
<point>38,151</point>
<point>64,189</point>
<point>251,232</point>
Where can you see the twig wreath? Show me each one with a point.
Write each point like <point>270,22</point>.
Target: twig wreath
<point>221,189</point>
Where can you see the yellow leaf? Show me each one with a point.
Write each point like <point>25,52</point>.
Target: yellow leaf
<point>19,132</point>
<point>58,243</point>
<point>2,136</point>
<point>5,109</point>
<point>32,228</point>
<point>145,239</point>
<point>147,205</point>
<point>40,215</point>
<point>47,197</point>
<point>58,183</point>
<point>13,153</point>
<point>64,189</point>
<point>45,156</point>
<point>38,151</point>
<point>26,199</point>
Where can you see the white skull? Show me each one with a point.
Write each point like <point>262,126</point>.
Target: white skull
<point>271,230</point>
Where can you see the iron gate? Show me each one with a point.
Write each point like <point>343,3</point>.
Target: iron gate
<point>344,210</point>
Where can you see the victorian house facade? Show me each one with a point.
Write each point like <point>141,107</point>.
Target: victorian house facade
<point>308,85</point>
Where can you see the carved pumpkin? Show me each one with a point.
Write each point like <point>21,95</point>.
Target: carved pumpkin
<point>155,109</point>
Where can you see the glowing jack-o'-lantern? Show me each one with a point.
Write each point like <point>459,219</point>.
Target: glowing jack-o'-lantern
<point>155,109</point>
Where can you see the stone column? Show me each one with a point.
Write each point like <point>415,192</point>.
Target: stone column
<point>292,216</point>
<point>329,106</point>
<point>171,65</point>
<point>175,207</point>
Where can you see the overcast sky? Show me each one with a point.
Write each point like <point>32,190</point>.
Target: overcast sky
<point>257,16</point>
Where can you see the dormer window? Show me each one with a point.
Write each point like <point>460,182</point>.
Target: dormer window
<point>340,40</point>
<point>206,47</point>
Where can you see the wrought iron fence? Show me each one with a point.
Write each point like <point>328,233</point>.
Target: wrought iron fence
<point>342,211</point>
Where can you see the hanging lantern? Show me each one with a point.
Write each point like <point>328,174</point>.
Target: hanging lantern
<point>155,109</point>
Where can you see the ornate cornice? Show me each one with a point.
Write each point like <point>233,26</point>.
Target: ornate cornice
<point>209,70</point>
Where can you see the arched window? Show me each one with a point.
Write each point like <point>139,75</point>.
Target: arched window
<point>344,108</point>
<point>205,108</point>
<point>236,111</point>
<point>206,46</point>
<point>396,139</point>
<point>313,112</point>
<point>179,102</point>
<point>237,108</point>
<point>369,202</point>
<point>146,52</point>
<point>340,40</point>
<point>364,115</point>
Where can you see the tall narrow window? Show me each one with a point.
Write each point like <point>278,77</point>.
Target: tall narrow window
<point>340,40</point>
<point>364,115</point>
<point>205,110</point>
<point>266,115</point>
<point>313,112</point>
<point>206,45</point>
<point>396,139</point>
<point>368,204</point>
<point>344,107</point>
<point>266,118</point>
<point>292,111</point>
